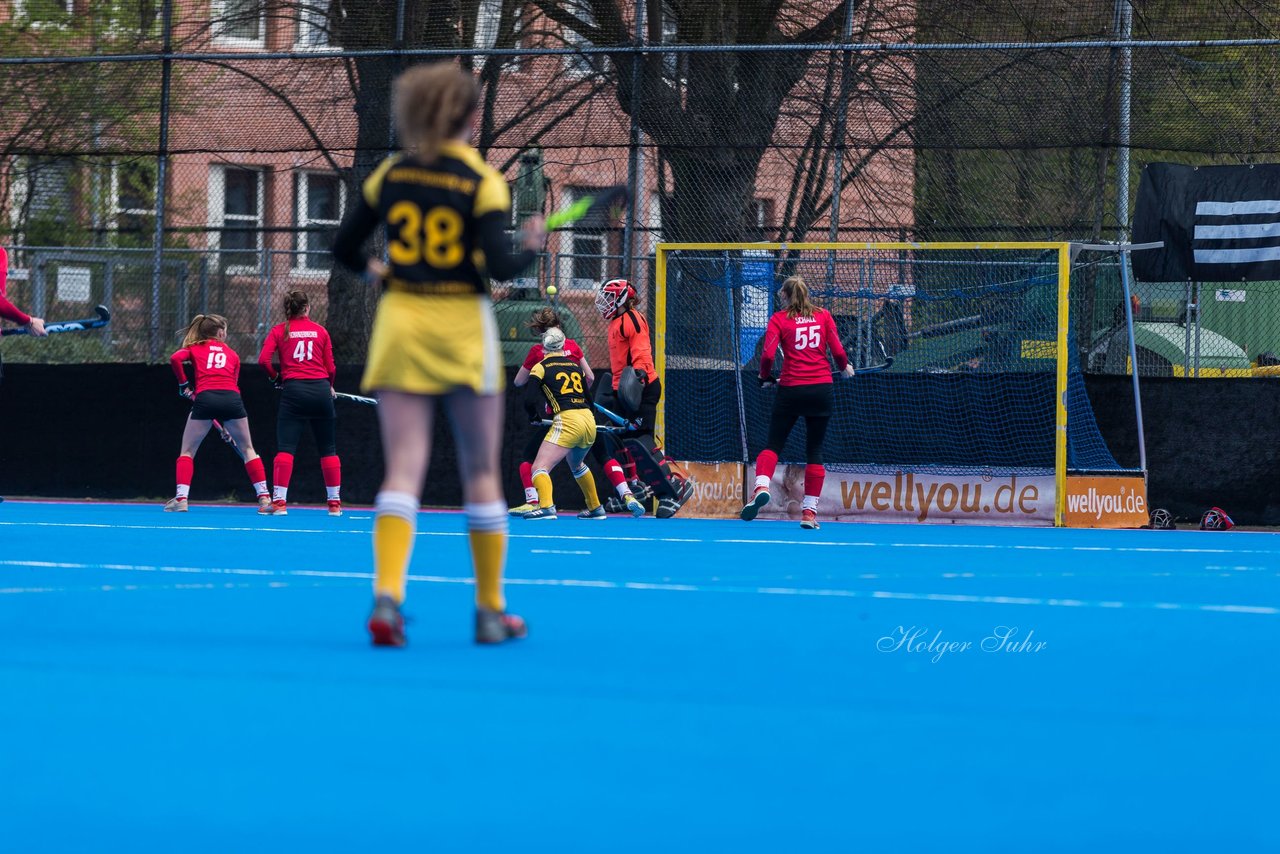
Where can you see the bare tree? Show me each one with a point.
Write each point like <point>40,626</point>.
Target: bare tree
<point>712,115</point>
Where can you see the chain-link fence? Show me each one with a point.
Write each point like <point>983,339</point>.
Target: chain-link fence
<point>735,121</point>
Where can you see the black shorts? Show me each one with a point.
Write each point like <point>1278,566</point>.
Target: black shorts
<point>306,399</point>
<point>805,401</point>
<point>218,404</point>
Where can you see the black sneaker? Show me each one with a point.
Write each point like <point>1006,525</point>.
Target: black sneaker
<point>540,513</point>
<point>497,626</point>
<point>386,624</point>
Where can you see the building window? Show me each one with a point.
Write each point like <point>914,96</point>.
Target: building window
<point>490,32</point>
<point>313,26</point>
<point>320,202</point>
<point>587,261</point>
<point>582,65</point>
<point>671,62</point>
<point>43,200</point>
<point>43,12</point>
<point>235,216</point>
<point>239,22</point>
<point>133,193</point>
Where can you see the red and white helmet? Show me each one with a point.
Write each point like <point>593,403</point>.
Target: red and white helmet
<point>613,296</point>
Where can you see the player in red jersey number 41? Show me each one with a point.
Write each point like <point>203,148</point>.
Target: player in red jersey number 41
<point>305,378</point>
<point>805,333</point>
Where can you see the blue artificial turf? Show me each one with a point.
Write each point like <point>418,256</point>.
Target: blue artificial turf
<point>203,682</point>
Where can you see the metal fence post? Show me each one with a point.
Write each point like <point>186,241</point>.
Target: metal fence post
<point>162,170</point>
<point>634,178</point>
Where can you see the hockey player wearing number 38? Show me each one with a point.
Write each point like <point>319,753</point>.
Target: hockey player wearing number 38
<point>305,376</point>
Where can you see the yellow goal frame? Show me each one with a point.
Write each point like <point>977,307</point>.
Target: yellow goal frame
<point>1064,316</point>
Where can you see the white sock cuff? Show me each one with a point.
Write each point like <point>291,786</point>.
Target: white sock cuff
<point>579,472</point>
<point>490,516</point>
<point>401,504</point>
<point>809,502</point>
<point>537,472</point>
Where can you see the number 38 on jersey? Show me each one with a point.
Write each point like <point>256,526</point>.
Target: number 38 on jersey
<point>433,237</point>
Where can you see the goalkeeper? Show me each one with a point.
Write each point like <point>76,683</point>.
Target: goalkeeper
<point>633,392</point>
<point>805,333</point>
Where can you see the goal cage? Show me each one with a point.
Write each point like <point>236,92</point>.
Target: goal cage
<point>981,414</point>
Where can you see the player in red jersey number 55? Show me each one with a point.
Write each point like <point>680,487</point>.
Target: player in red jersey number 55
<point>806,333</point>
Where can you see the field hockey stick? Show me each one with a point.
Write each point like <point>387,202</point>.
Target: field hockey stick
<point>607,199</point>
<point>226,437</point>
<point>870,369</point>
<point>355,398</point>
<point>103,318</point>
<point>613,416</point>
<point>600,428</point>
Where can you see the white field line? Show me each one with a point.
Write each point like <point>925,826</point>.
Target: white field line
<point>668,587</point>
<point>604,537</point>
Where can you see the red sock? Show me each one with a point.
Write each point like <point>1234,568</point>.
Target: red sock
<point>282,471</point>
<point>331,468</point>
<point>257,472</point>
<point>526,475</point>
<point>186,468</point>
<point>814,475</point>
<point>766,463</point>
<point>629,469</point>
<point>613,471</point>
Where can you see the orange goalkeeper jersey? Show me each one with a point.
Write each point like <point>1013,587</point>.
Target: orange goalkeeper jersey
<point>629,345</point>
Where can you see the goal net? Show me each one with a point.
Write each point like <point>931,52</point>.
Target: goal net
<point>985,347</point>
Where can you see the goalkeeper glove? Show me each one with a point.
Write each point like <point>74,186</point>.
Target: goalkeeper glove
<point>184,390</point>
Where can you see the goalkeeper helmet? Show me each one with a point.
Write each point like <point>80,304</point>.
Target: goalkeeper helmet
<point>613,296</point>
<point>1216,519</point>
<point>1162,520</point>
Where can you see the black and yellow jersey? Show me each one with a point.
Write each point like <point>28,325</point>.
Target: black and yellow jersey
<point>445,223</point>
<point>562,383</point>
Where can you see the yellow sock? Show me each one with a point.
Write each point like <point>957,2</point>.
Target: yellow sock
<point>489,553</point>
<point>587,484</point>
<point>392,546</point>
<point>542,483</point>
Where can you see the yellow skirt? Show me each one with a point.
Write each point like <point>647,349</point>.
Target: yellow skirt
<point>572,428</point>
<point>434,345</point>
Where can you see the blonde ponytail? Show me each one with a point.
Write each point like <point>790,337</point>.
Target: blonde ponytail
<point>432,104</point>
<point>796,293</point>
<point>203,327</point>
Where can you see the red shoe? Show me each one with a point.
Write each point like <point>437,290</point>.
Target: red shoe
<point>335,507</point>
<point>386,624</point>
<point>809,520</point>
<point>279,508</point>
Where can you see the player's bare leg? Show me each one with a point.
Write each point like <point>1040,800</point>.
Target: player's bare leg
<point>192,435</point>
<point>405,421</point>
<point>477,429</point>
<point>239,430</point>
